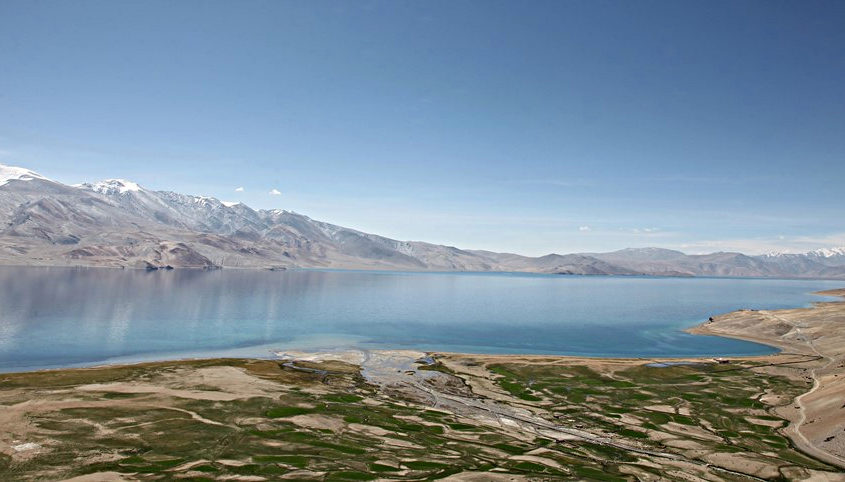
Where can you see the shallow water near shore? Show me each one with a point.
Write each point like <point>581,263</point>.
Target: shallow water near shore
<point>61,317</point>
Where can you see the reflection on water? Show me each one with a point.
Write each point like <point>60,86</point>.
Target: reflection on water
<point>66,316</point>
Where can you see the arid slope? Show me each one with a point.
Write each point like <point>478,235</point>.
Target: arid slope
<point>818,417</point>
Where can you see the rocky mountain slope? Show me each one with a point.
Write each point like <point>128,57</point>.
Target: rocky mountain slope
<point>118,223</point>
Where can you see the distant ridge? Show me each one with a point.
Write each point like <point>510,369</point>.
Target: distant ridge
<point>118,223</point>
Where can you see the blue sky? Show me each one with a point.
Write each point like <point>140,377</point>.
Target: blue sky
<point>533,127</point>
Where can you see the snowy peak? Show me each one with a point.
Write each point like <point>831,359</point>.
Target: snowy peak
<point>111,187</point>
<point>207,201</point>
<point>816,253</point>
<point>12,173</point>
<point>828,252</point>
<point>778,254</point>
<point>281,212</point>
<point>824,257</point>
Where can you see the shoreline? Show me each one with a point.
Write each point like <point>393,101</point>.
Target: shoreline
<point>386,269</point>
<point>480,354</point>
<point>699,329</point>
<point>702,328</point>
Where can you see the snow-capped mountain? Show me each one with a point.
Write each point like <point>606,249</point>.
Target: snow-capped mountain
<point>117,222</point>
<point>816,253</point>
<point>828,256</point>
<point>11,173</point>
<point>824,256</point>
<point>829,252</point>
<point>111,186</point>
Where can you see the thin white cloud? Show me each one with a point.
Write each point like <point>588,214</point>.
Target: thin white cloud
<point>584,228</point>
<point>275,192</point>
<point>557,182</point>
<point>239,189</point>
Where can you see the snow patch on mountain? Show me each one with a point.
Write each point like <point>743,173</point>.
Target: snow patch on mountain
<point>12,173</point>
<point>405,248</point>
<point>816,253</point>
<point>111,186</point>
<point>778,254</point>
<point>205,201</point>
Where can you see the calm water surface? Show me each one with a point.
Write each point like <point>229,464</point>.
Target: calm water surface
<point>55,317</point>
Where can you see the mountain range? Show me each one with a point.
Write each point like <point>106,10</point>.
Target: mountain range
<point>118,223</point>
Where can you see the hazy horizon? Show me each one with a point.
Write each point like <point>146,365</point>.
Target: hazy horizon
<point>567,127</point>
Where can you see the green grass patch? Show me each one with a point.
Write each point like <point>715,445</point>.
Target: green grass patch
<point>463,427</point>
<point>626,432</point>
<point>511,449</point>
<point>281,412</point>
<point>530,467</point>
<point>343,398</point>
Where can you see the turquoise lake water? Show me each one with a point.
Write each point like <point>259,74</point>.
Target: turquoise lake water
<point>59,317</point>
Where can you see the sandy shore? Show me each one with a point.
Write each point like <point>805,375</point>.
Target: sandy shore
<point>818,416</point>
